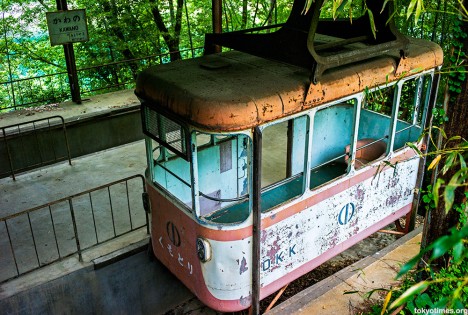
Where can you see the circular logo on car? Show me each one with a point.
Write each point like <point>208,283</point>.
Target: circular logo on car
<point>346,213</point>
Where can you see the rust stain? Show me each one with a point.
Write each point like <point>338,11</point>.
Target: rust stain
<point>267,108</point>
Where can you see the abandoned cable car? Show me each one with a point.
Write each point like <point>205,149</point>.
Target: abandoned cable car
<point>260,169</point>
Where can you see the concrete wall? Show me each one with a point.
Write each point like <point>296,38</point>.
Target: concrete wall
<point>95,132</point>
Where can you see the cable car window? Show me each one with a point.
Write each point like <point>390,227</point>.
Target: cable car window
<point>169,155</point>
<point>203,139</point>
<point>414,98</point>
<point>283,160</point>
<point>172,173</point>
<point>332,135</point>
<point>374,125</point>
<point>165,131</point>
<point>223,178</point>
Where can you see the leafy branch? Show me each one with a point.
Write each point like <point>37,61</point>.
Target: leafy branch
<point>452,155</point>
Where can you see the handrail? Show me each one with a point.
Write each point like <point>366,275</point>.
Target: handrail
<point>35,127</point>
<point>40,217</point>
<point>61,93</point>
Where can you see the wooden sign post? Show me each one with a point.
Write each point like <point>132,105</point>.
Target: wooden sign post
<point>65,28</point>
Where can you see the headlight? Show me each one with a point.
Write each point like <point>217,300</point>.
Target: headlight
<point>203,250</point>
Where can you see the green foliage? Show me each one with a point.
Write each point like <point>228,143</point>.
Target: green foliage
<point>456,70</point>
<point>443,288</point>
<point>455,152</point>
<point>428,198</point>
<point>438,116</point>
<point>122,36</point>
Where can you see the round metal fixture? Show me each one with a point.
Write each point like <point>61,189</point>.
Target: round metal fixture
<point>203,249</point>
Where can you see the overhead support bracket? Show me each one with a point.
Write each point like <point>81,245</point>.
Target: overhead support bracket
<point>318,44</point>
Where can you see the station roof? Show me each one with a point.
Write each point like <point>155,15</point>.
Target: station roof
<point>233,91</point>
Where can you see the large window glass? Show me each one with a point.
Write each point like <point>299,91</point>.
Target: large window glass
<point>223,168</point>
<point>284,148</point>
<point>331,142</point>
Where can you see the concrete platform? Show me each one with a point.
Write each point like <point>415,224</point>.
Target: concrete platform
<point>54,182</point>
<point>92,106</point>
<point>101,122</point>
<point>57,181</point>
<point>333,295</point>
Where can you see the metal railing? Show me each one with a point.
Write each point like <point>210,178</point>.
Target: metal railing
<point>34,143</point>
<point>42,235</point>
<point>52,88</point>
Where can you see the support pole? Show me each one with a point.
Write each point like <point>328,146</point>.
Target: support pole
<point>70,61</point>
<point>422,163</point>
<point>217,21</point>
<point>257,219</point>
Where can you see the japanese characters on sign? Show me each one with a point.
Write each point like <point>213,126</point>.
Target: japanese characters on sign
<point>67,26</point>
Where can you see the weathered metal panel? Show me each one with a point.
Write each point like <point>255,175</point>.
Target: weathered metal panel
<point>306,235</point>
<point>260,90</point>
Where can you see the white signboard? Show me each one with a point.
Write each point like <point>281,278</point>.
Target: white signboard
<point>67,26</point>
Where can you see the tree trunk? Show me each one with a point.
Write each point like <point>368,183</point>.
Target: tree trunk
<point>172,39</point>
<point>244,14</point>
<point>438,222</point>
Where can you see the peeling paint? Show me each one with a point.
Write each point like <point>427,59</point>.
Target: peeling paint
<point>360,193</point>
<point>243,266</point>
<point>393,182</point>
<point>309,234</point>
<point>263,236</point>
<point>274,248</point>
<point>245,301</point>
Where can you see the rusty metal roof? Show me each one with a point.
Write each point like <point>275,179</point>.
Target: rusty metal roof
<point>235,91</point>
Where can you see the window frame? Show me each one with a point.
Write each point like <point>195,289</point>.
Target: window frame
<point>196,193</point>
<point>289,177</point>
<point>310,114</point>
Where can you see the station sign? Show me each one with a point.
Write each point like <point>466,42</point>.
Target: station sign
<point>67,27</point>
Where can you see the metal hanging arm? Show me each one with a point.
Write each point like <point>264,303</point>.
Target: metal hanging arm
<point>318,44</point>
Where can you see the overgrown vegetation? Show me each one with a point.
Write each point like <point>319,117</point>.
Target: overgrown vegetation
<point>443,289</point>
<point>125,36</point>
